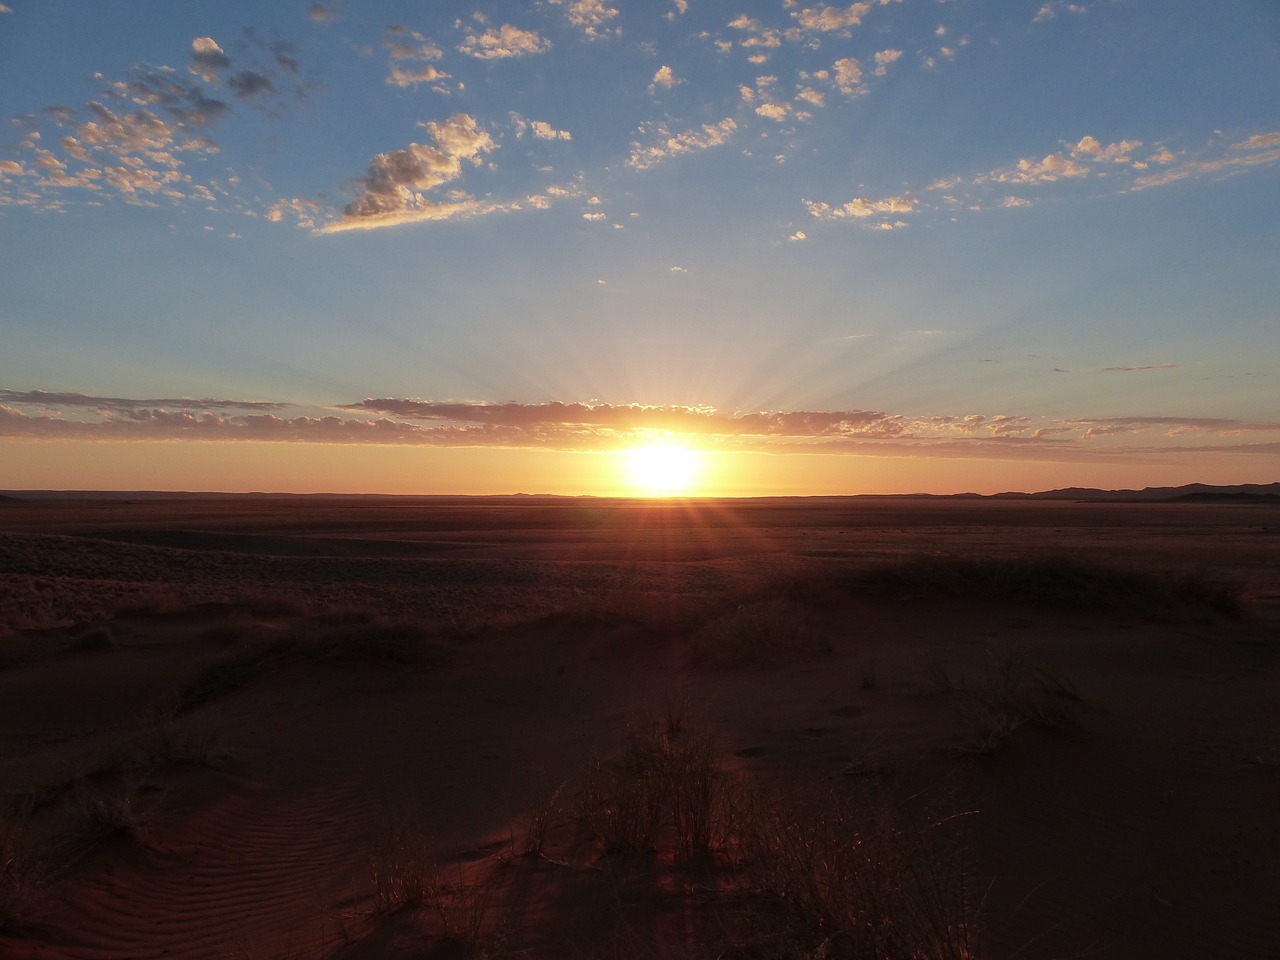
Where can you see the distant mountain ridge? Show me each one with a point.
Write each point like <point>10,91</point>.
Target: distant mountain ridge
<point>1260,492</point>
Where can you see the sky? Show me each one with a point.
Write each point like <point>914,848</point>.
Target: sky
<point>492,247</point>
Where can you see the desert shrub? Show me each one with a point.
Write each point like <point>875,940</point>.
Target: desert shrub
<point>1053,581</point>
<point>762,631</point>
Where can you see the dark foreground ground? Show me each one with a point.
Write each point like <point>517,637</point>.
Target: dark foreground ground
<point>314,728</point>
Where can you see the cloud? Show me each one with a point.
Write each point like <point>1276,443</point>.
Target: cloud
<point>884,58</point>
<point>830,19</point>
<point>1118,152</point>
<point>860,208</point>
<point>499,43</point>
<point>847,75</point>
<point>664,78</point>
<point>39,415</point>
<point>1053,167</point>
<point>1259,150</point>
<point>773,111</point>
<point>318,13</point>
<point>759,37</point>
<point>1157,366</point>
<point>392,192</point>
<point>589,16</point>
<point>207,58</point>
<point>668,144</point>
<point>544,131</point>
<point>1010,202</point>
<point>411,76</point>
<point>120,404</point>
<point>1049,11</point>
<point>250,83</point>
<point>412,61</point>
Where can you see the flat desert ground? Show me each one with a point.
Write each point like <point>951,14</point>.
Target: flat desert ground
<point>531,727</point>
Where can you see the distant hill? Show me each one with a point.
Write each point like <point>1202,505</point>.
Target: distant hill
<point>1194,492</point>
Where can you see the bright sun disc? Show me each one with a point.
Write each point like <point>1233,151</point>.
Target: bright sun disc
<point>662,469</point>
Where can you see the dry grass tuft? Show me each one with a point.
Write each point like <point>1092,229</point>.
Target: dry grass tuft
<point>758,632</point>
<point>25,877</point>
<point>851,875</point>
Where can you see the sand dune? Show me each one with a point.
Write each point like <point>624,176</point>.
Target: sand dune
<point>212,777</point>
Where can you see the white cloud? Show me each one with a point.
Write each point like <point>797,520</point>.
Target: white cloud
<point>1053,167</point>
<point>665,78</point>
<point>427,73</point>
<point>848,75</point>
<point>773,111</point>
<point>1010,202</point>
<point>829,19</point>
<point>860,208</point>
<point>544,131</point>
<point>668,144</point>
<point>589,16</point>
<point>1092,149</point>
<point>499,43</point>
<point>884,58</point>
<point>798,235</point>
<point>814,98</point>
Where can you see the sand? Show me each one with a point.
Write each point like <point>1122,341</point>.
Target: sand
<point>218,716</point>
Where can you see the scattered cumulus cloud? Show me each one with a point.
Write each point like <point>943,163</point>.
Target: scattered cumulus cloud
<point>860,208</point>
<point>395,188</point>
<point>884,58</point>
<point>500,43</point>
<point>665,144</point>
<point>592,17</point>
<point>665,78</point>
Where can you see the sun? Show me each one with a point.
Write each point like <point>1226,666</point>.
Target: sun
<point>662,469</point>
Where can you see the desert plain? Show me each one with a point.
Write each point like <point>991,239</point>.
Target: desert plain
<point>309,728</point>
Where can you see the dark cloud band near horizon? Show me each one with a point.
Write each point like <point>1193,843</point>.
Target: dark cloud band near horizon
<point>52,415</point>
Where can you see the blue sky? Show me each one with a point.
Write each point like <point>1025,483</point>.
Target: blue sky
<point>1004,233</point>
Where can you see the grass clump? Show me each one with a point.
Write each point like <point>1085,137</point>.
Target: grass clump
<point>403,872</point>
<point>666,777</point>
<point>841,873</point>
<point>761,631</point>
<point>24,875</point>
<point>852,876</point>
<point>1009,693</point>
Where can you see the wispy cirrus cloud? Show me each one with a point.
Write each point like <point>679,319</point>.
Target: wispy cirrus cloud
<point>412,60</point>
<point>41,415</point>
